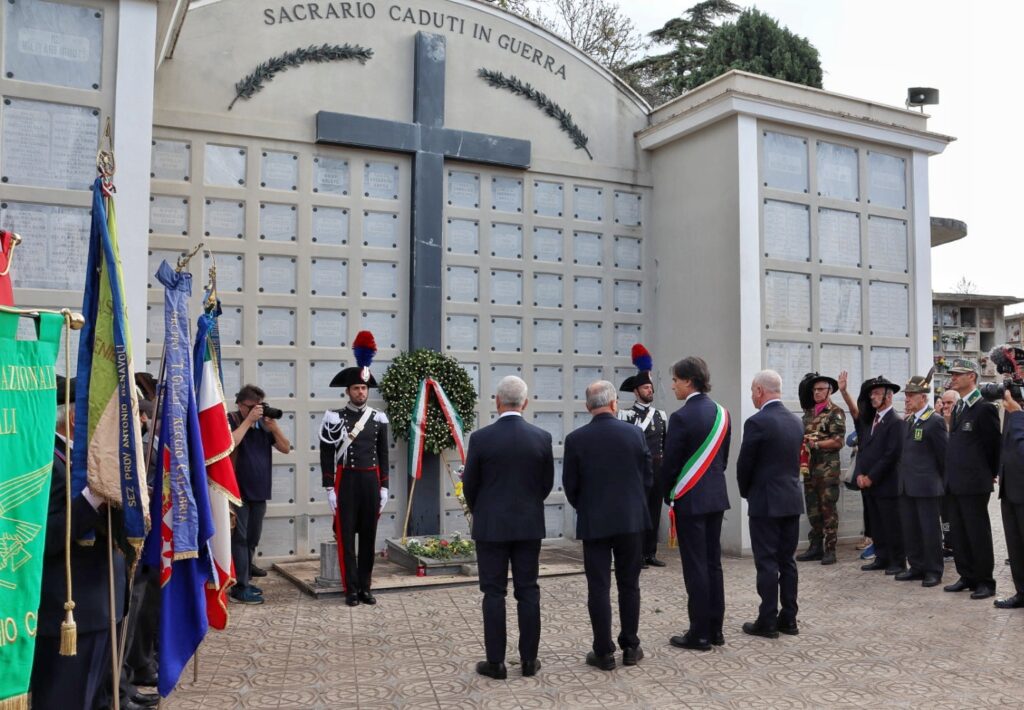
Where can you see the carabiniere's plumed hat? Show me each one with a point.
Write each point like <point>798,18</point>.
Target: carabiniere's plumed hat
<point>867,412</point>
<point>806,388</point>
<point>364,347</point>
<point>644,364</point>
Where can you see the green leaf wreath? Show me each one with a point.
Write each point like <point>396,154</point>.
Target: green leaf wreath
<point>265,71</point>
<point>401,383</point>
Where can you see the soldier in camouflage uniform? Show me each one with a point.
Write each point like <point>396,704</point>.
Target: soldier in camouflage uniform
<point>824,434</point>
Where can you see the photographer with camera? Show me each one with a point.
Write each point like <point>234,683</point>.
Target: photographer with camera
<point>255,431</point>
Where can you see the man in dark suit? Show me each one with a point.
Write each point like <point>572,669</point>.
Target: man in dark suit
<point>768,471</point>
<point>1011,498</point>
<point>606,476</point>
<point>509,472</point>
<point>880,436</point>
<point>696,487</point>
<point>921,471</point>
<point>972,463</point>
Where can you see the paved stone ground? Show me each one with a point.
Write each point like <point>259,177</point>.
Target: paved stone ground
<point>866,641</point>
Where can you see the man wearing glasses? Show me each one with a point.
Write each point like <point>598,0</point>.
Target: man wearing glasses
<point>824,433</point>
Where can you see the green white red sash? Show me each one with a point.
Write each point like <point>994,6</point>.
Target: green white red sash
<point>418,424</point>
<point>700,462</point>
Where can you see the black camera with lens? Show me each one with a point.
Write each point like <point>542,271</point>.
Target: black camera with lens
<point>272,412</point>
<point>1009,362</point>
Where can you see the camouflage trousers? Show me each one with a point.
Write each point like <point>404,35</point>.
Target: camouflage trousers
<point>821,494</point>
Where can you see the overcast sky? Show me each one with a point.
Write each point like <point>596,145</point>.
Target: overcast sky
<point>875,49</point>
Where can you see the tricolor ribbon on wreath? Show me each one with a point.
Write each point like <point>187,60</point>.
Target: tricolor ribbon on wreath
<point>418,424</point>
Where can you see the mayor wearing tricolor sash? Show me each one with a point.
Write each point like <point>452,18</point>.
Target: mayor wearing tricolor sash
<point>693,480</point>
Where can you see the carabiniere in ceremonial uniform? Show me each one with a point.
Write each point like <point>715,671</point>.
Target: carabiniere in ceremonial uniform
<point>354,465</point>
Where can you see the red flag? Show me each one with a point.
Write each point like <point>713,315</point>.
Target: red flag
<point>6,249</point>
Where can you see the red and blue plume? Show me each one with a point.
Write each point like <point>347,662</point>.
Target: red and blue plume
<point>364,347</point>
<point>642,359</point>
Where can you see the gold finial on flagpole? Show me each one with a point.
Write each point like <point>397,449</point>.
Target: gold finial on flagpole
<point>15,241</point>
<point>185,258</point>
<point>105,157</point>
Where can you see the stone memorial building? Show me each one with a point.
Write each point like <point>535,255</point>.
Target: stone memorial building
<point>448,175</point>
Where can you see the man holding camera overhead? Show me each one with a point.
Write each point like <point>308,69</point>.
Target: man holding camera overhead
<point>255,432</point>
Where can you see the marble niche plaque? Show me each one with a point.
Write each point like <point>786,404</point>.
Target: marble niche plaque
<point>380,180</point>
<point>506,288</point>
<point>168,215</point>
<point>887,244</point>
<point>627,209</point>
<point>498,372</point>
<point>580,419</point>
<point>383,325</point>
<point>461,332</point>
<point>889,315</point>
<point>627,253</point>
<point>278,223</point>
<point>628,296</point>
<point>328,277</point>
<point>586,248</point>
<point>787,301</point>
<point>232,371</point>
<point>894,363</point>
<point>547,382</point>
<point>547,290</point>
<point>313,431</point>
<point>463,189</point>
<point>330,175</point>
<point>506,194</point>
<point>548,199</point>
<point>787,231</point>
<point>154,323</point>
<point>277,377</point>
<point>53,43</point>
<point>837,171</point>
<point>224,218</point>
<point>380,279</point>
<point>839,305</point>
<point>229,326</point>
<point>506,240</point>
<point>587,293</point>
<point>155,258</point>
<point>330,226</point>
<point>230,271</point>
<point>588,203</point>
<point>551,422</point>
<point>838,237</point>
<point>586,338</point>
<point>321,372</point>
<point>581,379</point>
<point>547,336</point>
<point>791,361</point>
<point>833,359</point>
<point>462,284</point>
<point>277,274</point>
<point>547,244</point>
<point>784,162</point>
<point>463,236</point>
<point>278,538</point>
<point>506,335</point>
<point>171,160</point>
<point>887,180</point>
<point>224,165</point>
<point>275,326</point>
<point>48,145</point>
<point>279,171</point>
<point>55,249</point>
<point>473,370</point>
<point>626,336</point>
<point>380,230</point>
<point>328,328</point>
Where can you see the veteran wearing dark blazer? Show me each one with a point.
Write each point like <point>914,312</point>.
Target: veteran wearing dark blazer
<point>768,472</point>
<point>1011,498</point>
<point>921,473</point>
<point>972,464</point>
<point>509,472</point>
<point>606,475</point>
<point>696,487</point>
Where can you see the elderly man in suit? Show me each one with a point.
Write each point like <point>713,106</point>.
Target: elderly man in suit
<point>693,479</point>
<point>509,472</point>
<point>606,476</point>
<point>768,472</point>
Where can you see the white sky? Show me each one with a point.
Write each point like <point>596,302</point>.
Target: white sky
<point>875,49</point>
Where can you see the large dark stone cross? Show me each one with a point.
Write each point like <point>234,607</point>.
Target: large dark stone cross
<point>429,142</point>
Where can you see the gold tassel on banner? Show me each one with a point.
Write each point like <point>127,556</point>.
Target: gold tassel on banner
<point>68,628</point>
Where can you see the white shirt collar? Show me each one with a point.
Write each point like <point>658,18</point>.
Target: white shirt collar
<point>880,415</point>
<point>770,401</point>
<point>691,396</point>
<point>510,414</point>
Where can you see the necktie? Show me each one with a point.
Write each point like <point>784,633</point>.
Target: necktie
<point>958,409</point>
<point>878,418</point>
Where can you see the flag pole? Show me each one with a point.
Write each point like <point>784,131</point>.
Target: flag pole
<point>115,669</point>
<point>408,510</point>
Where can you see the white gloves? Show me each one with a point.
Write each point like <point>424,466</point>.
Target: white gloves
<point>332,500</point>
<point>383,497</point>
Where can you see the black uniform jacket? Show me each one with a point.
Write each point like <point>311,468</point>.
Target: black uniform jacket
<point>878,454</point>
<point>368,450</point>
<point>1011,472</point>
<point>688,427</point>
<point>972,457</point>
<point>922,466</point>
<point>768,468</point>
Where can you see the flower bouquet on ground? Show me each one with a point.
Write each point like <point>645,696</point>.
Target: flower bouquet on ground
<point>438,548</point>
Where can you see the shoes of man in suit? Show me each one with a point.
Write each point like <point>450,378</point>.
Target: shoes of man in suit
<point>653,562</point>
<point>829,558</point>
<point>688,640</point>
<point>790,628</point>
<point>959,585</point>
<point>632,656</point>
<point>605,663</point>
<point>245,595</point>
<point>983,591</point>
<point>947,553</point>
<point>757,628</point>
<point>895,569</point>
<point>255,571</point>
<point>813,553</point>
<point>873,565</point>
<point>717,638</point>
<point>366,598</point>
<point>909,575</point>
<point>1014,602</point>
<point>530,668</point>
<point>498,671</point>
<point>931,580</point>
<point>351,599</point>
<point>146,700</point>
<point>147,678</point>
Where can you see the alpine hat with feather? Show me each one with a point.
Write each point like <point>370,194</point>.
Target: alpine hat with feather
<point>806,388</point>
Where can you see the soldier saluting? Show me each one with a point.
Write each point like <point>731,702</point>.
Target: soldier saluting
<point>824,433</point>
<point>354,464</point>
